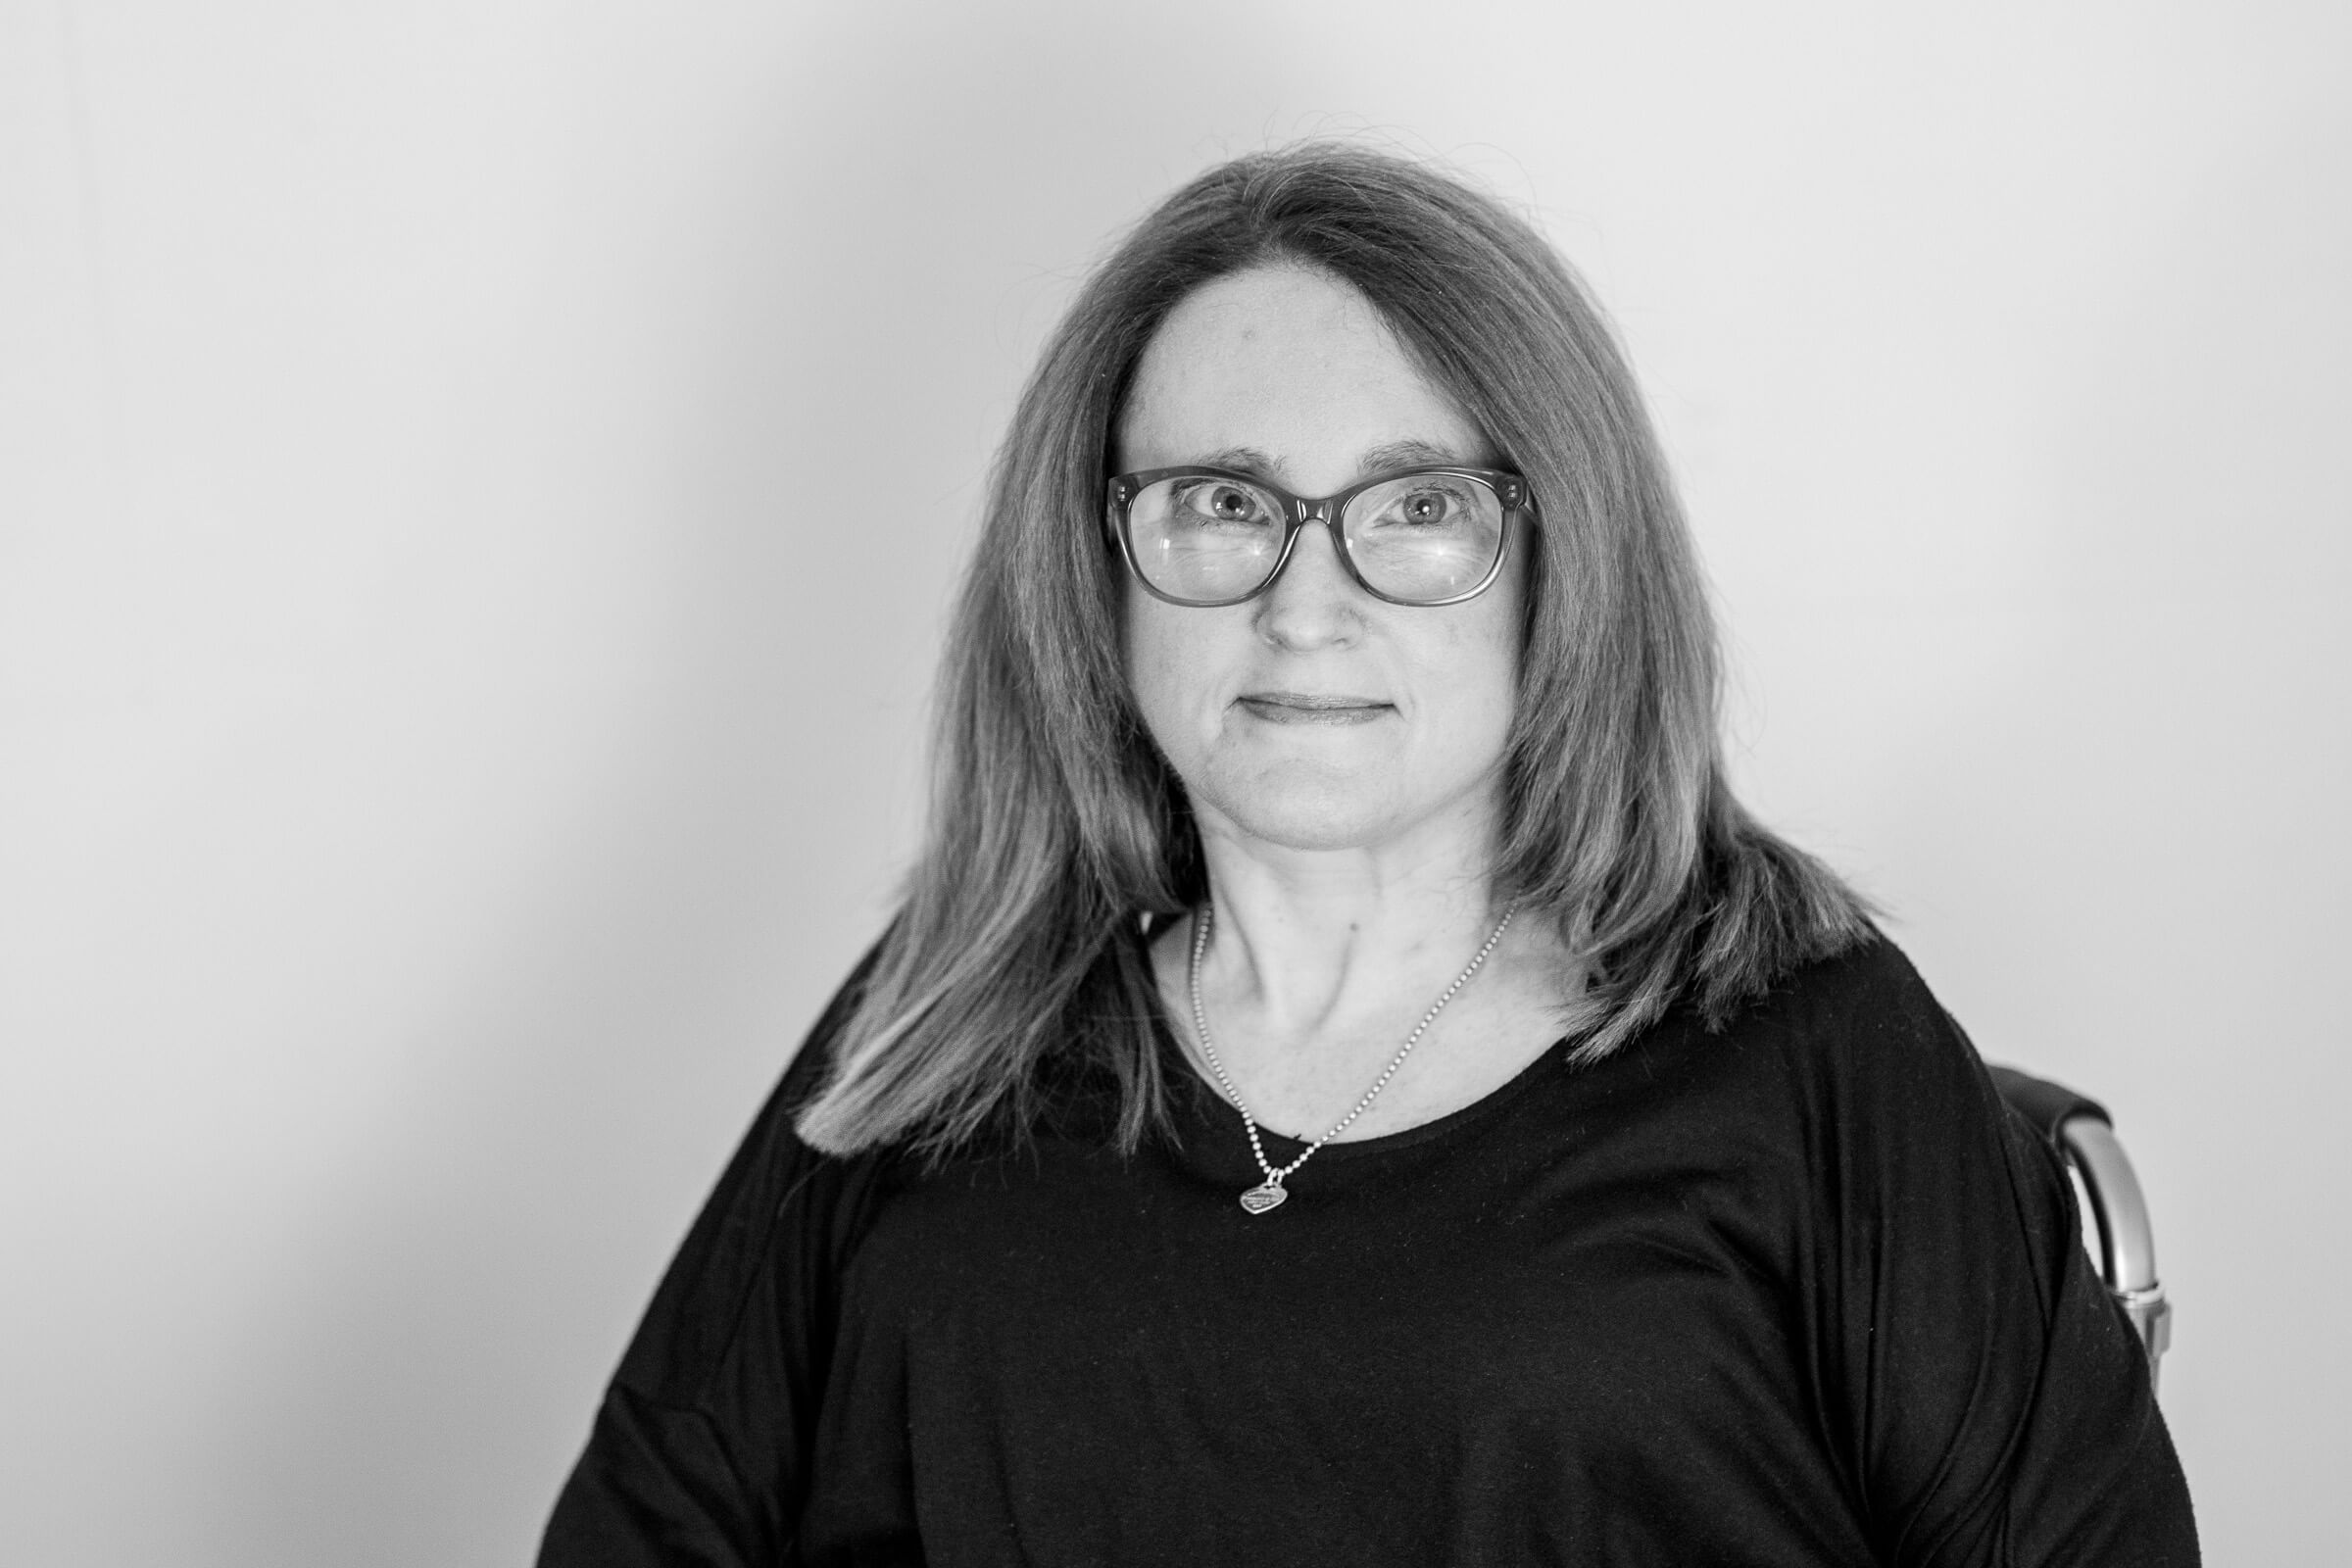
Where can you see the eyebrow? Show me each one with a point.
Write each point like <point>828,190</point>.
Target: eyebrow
<point>1410,453</point>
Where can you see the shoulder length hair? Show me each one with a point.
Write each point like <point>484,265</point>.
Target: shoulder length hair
<point>1056,825</point>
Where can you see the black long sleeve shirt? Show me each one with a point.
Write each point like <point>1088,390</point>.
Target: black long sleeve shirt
<point>1799,1291</point>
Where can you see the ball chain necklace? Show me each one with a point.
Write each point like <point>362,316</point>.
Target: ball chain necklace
<point>1270,1193</point>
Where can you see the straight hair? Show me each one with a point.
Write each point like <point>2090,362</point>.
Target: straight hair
<point>1055,826</point>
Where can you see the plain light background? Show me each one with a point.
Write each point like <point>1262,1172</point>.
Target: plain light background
<point>480,483</point>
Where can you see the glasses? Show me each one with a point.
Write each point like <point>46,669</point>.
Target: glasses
<point>1418,536</point>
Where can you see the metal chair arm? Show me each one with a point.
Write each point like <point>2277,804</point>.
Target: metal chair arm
<point>2079,1131</point>
<point>2127,1238</point>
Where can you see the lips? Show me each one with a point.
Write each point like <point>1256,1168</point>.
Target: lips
<point>1312,708</point>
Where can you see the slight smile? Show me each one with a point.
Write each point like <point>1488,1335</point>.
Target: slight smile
<point>1301,708</point>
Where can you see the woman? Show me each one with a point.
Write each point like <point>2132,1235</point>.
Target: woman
<point>1348,1084</point>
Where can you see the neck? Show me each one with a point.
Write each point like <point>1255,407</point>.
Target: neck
<point>1300,932</point>
<point>1319,965</point>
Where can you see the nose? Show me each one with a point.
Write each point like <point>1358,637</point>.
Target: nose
<point>1313,603</point>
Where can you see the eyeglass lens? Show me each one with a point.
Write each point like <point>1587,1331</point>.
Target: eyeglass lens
<point>1421,537</point>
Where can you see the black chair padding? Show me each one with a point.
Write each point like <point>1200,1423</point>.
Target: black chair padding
<point>2048,1106</point>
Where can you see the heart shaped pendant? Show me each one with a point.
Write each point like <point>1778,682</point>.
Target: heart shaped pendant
<point>1264,1195</point>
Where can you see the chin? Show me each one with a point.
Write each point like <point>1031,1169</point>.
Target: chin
<point>1307,835</point>
<point>1310,809</point>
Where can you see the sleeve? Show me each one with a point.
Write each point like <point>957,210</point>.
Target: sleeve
<point>699,1452</point>
<point>1992,1399</point>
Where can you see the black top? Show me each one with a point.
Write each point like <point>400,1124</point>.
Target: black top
<point>1800,1292</point>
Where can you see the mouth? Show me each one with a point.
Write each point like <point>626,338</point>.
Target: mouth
<point>1310,707</point>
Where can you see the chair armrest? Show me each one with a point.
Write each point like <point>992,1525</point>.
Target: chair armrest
<point>2082,1133</point>
<point>2046,1105</point>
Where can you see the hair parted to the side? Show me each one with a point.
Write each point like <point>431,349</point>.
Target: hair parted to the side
<point>1055,823</point>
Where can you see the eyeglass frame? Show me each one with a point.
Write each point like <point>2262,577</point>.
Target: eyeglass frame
<point>1512,489</point>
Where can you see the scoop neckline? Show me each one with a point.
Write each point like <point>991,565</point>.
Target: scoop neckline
<point>1214,1108</point>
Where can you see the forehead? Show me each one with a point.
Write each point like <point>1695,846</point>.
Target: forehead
<point>1296,369</point>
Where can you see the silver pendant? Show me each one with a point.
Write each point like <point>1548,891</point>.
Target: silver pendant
<point>1264,1195</point>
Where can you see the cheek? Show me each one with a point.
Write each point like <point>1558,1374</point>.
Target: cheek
<point>1139,641</point>
<point>1479,691</point>
<point>1474,679</point>
<point>1165,664</point>
<point>1506,627</point>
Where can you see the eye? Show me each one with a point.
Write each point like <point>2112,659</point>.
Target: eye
<point>1425,504</point>
<point>1425,507</point>
<point>1222,501</point>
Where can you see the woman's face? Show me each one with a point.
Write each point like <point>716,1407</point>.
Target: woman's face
<point>1314,716</point>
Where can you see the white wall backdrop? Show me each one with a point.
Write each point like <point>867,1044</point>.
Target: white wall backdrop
<point>478,487</point>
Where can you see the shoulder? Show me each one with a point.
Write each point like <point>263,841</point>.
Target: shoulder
<point>1862,1043</point>
<point>777,1226</point>
<point>811,1064</point>
<point>1843,1068</point>
<point>1866,998</point>
<point>1868,982</point>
